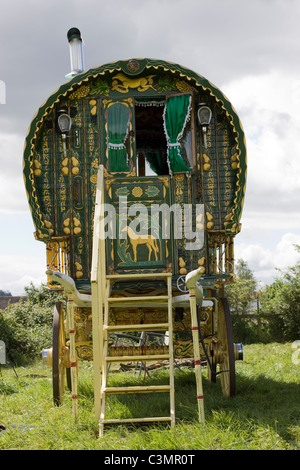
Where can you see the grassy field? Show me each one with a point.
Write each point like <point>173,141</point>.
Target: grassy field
<point>264,414</point>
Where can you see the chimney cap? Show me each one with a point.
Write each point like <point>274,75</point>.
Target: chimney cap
<point>74,33</point>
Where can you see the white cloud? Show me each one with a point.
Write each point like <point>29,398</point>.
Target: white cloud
<point>268,106</point>
<point>19,271</point>
<point>11,151</point>
<point>22,258</point>
<point>265,262</point>
<point>12,190</point>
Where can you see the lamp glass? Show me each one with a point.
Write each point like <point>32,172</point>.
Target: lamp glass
<point>204,115</point>
<point>64,123</point>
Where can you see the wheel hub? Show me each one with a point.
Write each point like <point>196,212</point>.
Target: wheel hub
<point>238,351</point>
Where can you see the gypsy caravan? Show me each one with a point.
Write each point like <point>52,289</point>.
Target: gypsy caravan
<point>135,174</point>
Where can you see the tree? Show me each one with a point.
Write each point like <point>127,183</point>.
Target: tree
<point>281,300</point>
<point>241,293</point>
<point>243,271</point>
<point>4,293</point>
<point>26,326</point>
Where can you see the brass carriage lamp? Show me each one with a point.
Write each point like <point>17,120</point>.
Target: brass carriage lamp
<point>64,122</point>
<point>204,118</point>
<point>76,52</point>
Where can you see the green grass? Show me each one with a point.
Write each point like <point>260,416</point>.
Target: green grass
<point>264,414</point>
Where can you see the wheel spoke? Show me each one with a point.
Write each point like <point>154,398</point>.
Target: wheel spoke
<point>225,336</point>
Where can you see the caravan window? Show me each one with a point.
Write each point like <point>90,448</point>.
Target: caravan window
<point>155,136</point>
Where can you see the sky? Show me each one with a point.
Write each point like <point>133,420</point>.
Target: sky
<point>249,50</point>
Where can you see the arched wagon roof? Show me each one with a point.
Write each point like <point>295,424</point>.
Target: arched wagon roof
<point>132,68</point>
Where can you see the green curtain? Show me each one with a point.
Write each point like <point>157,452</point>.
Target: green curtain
<point>118,117</point>
<point>176,115</point>
<point>156,161</point>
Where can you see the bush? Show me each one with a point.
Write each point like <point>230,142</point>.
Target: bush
<point>279,306</point>
<point>26,327</point>
<point>245,330</point>
<point>281,300</point>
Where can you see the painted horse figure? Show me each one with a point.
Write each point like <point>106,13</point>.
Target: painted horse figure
<point>136,240</point>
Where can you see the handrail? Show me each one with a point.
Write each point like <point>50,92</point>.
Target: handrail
<point>98,256</point>
<point>98,281</point>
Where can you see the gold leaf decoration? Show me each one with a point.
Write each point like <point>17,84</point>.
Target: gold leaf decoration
<point>183,86</point>
<point>137,191</point>
<point>81,92</point>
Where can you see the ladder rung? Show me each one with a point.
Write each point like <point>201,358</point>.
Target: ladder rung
<point>143,327</point>
<point>138,298</point>
<point>138,389</point>
<point>135,420</point>
<point>142,358</point>
<point>147,304</point>
<point>138,275</point>
<point>163,301</point>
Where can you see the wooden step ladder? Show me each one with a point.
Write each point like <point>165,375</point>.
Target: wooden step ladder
<point>138,301</point>
<point>101,284</point>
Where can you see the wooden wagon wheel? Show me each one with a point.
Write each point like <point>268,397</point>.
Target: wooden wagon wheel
<point>225,337</point>
<point>59,356</point>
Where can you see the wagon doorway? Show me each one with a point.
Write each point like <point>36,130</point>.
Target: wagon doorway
<point>165,135</point>
<point>151,144</point>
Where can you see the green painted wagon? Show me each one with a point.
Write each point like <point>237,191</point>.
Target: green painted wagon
<point>135,174</point>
